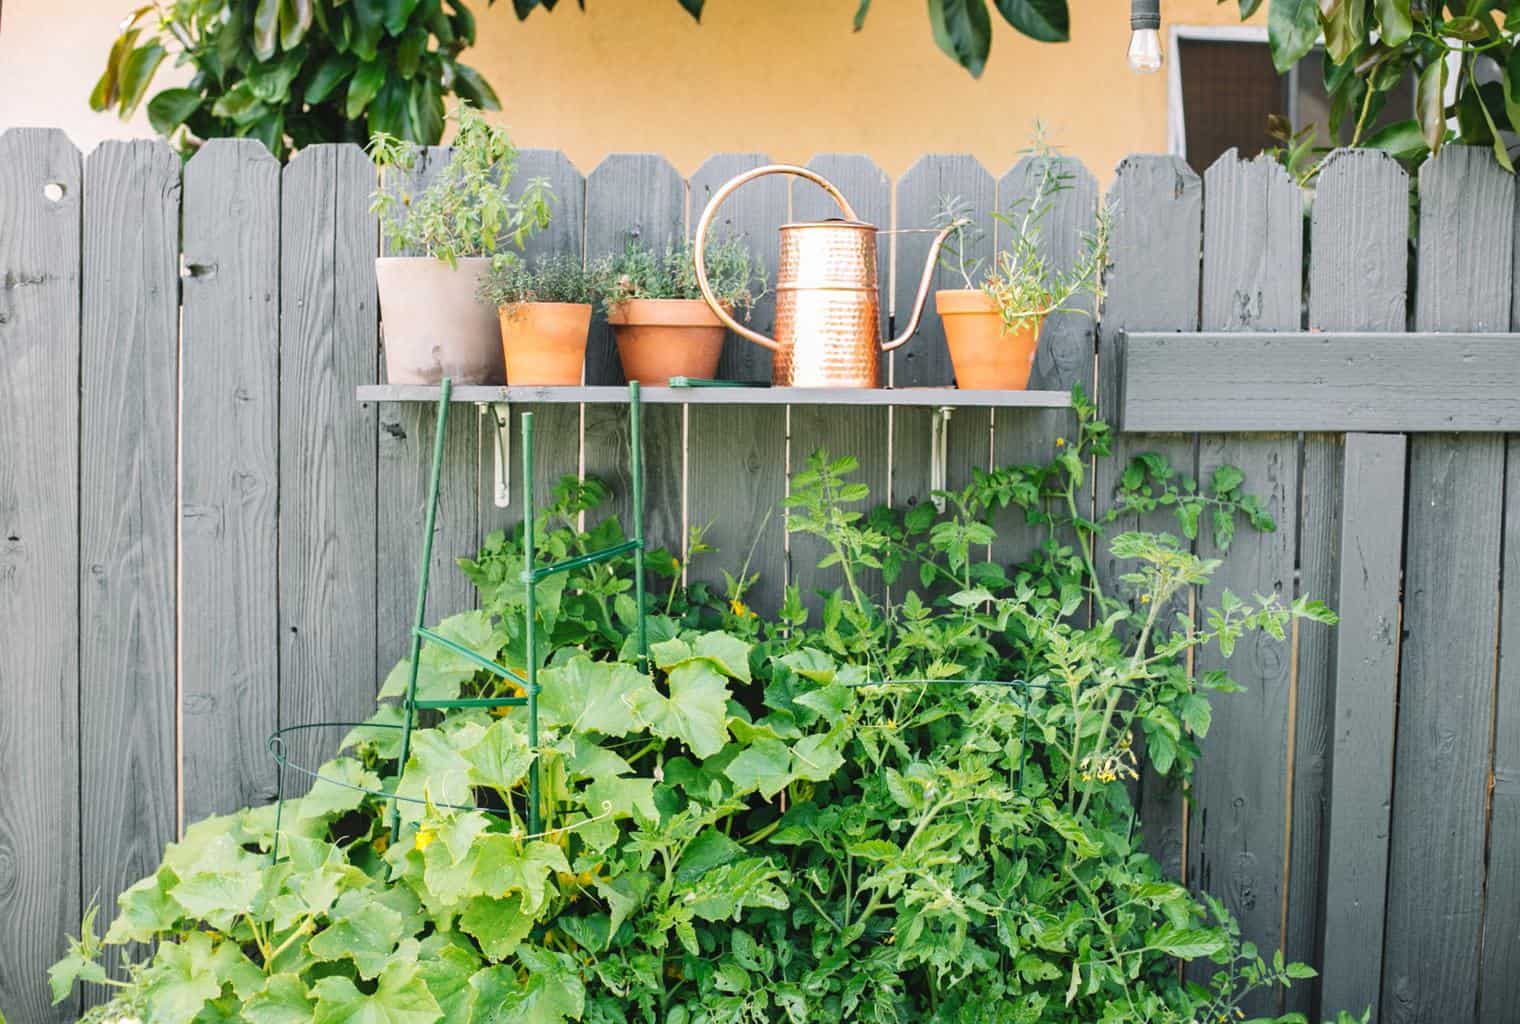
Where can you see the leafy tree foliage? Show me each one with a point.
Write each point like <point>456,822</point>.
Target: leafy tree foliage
<point>295,72</point>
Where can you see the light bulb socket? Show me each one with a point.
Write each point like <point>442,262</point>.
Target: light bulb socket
<point>1144,14</point>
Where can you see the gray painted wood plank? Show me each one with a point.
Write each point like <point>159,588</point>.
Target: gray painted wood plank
<point>637,196</point>
<point>1151,284</point>
<point>736,474</point>
<point>755,214</point>
<point>921,193</point>
<point>1252,280</point>
<point>1451,576</point>
<point>1322,382</point>
<point>1499,972</point>
<point>39,564</point>
<point>328,346</point>
<point>1359,783</point>
<point>1499,985</point>
<point>608,394</point>
<point>229,476</point>
<point>1065,355</point>
<point>840,431</point>
<point>567,227</point>
<point>606,456</point>
<point>129,432</point>
<point>1358,277</point>
<point>404,447</point>
<point>403,467</point>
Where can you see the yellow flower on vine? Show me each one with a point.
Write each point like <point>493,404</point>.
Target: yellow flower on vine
<point>425,837</point>
<point>739,608</point>
<point>1060,442</point>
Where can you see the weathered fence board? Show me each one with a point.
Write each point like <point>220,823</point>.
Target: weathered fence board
<point>1366,682</point>
<point>1446,678</point>
<point>229,476</point>
<point>328,345</point>
<point>1065,353</point>
<point>1499,991</point>
<point>1358,274</point>
<point>1322,382</point>
<point>1152,284</point>
<point>1252,280</point>
<point>735,479</point>
<point>753,213</point>
<point>921,196</point>
<point>40,209</point>
<point>128,433</point>
<point>629,197</point>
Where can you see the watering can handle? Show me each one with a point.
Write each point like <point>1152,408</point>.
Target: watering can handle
<point>700,242</point>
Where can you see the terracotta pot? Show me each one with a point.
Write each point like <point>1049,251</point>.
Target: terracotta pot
<point>985,356</point>
<point>545,342</point>
<point>658,339</point>
<point>433,325</point>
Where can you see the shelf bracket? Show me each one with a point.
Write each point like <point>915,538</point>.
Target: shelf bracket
<point>939,438</point>
<point>500,415</point>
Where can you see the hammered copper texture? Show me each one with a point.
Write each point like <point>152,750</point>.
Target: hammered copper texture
<point>828,310</point>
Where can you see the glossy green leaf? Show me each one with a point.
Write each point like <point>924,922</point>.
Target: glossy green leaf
<point>362,88</point>
<point>764,767</point>
<point>1394,22</point>
<point>1045,20</point>
<point>295,20</point>
<point>963,31</point>
<point>472,87</point>
<point>282,1000</point>
<point>169,109</point>
<point>266,28</point>
<point>1430,105</point>
<point>1292,30</point>
<point>329,75</point>
<point>695,711</point>
<point>595,696</point>
<point>137,74</point>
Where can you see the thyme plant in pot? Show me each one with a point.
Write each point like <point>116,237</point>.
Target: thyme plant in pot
<point>544,307</point>
<point>992,325</point>
<point>663,326</point>
<point>434,326</point>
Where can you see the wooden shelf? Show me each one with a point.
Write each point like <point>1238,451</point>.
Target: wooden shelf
<point>917,397</point>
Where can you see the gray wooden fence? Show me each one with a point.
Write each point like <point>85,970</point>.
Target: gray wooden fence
<point>205,534</point>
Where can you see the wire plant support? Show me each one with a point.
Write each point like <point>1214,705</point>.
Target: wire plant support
<point>531,575</point>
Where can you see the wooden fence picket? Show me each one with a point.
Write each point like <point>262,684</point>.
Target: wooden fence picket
<point>229,476</point>
<point>1252,280</point>
<point>1451,580</point>
<point>1152,284</point>
<point>128,433</point>
<point>1343,764</point>
<point>41,208</point>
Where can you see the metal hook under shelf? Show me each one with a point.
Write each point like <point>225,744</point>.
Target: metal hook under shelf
<point>501,412</point>
<point>939,446</point>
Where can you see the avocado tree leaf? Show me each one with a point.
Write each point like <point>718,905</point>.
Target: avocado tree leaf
<point>1430,104</point>
<point>963,31</point>
<point>1395,25</point>
<point>1045,20</point>
<point>266,28</point>
<point>137,73</point>
<point>363,87</point>
<point>401,997</point>
<point>169,109</point>
<point>1292,30</point>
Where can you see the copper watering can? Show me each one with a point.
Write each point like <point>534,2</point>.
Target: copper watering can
<point>828,309</point>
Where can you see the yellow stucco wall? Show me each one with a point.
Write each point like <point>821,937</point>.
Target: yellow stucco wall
<point>786,77</point>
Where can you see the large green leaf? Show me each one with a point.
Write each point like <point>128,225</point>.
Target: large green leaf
<point>502,865</point>
<point>362,88</point>
<point>1292,30</point>
<point>594,696</point>
<point>621,798</point>
<point>695,710</point>
<point>963,31</point>
<point>170,108</point>
<point>137,73</point>
<point>765,767</point>
<point>440,671</point>
<point>266,29</point>
<point>401,998</point>
<point>1395,25</point>
<point>499,925</point>
<point>397,14</point>
<point>185,975</point>
<point>221,883</point>
<point>282,1000</point>
<point>816,758</point>
<point>1430,104</point>
<point>551,994</point>
<point>1345,29</point>
<point>1045,20</point>
<point>361,930</point>
<point>500,757</point>
<point>295,19</point>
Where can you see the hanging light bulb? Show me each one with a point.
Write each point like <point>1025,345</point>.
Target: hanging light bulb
<point>1145,36</point>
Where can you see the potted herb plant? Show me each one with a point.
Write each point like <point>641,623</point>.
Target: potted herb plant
<point>663,326</point>
<point>544,307</point>
<point>992,325</point>
<point>433,324</point>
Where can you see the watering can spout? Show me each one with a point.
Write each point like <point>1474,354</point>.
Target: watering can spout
<point>923,285</point>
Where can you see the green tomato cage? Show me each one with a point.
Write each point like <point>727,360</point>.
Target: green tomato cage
<point>532,573</point>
